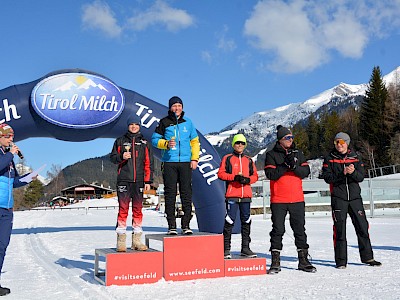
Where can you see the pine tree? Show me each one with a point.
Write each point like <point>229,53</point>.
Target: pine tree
<point>313,132</point>
<point>330,126</point>
<point>301,139</point>
<point>392,121</point>
<point>33,193</point>
<point>373,128</point>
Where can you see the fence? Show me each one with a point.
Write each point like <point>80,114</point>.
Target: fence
<point>381,171</point>
<point>377,193</point>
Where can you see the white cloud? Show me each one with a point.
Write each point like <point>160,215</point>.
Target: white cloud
<point>99,16</point>
<point>160,13</point>
<point>302,35</point>
<point>206,56</point>
<point>224,43</point>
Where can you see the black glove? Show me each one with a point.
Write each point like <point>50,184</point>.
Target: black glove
<point>245,180</point>
<point>238,178</point>
<point>291,160</point>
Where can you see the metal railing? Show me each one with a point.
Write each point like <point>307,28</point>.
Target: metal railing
<point>381,171</point>
<point>376,192</point>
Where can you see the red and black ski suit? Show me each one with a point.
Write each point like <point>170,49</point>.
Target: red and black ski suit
<point>238,196</point>
<point>133,173</point>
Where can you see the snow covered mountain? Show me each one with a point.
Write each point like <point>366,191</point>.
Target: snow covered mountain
<point>260,127</point>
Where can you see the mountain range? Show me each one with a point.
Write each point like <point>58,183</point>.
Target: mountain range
<point>260,128</point>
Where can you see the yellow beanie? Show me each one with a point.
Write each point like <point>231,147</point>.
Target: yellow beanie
<point>239,138</point>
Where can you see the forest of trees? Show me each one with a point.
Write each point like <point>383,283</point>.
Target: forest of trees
<point>374,127</point>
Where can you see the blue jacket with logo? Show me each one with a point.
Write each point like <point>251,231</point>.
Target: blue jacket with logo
<point>187,139</point>
<point>9,179</point>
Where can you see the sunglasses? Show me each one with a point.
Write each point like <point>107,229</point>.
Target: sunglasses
<point>7,136</point>
<point>288,137</point>
<point>240,143</point>
<point>339,142</point>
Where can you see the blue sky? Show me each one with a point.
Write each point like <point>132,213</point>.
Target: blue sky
<point>226,59</point>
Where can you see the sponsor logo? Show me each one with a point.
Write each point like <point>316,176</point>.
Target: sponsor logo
<point>77,100</point>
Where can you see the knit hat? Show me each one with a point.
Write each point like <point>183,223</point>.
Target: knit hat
<point>239,138</point>
<point>343,136</point>
<point>133,119</point>
<point>282,131</point>
<point>6,129</point>
<point>173,100</point>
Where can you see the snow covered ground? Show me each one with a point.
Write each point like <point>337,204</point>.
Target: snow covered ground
<point>51,256</point>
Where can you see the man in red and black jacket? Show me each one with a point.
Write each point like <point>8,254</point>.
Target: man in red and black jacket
<point>134,157</point>
<point>343,171</point>
<point>285,167</point>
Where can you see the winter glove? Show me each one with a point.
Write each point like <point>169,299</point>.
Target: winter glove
<point>238,178</point>
<point>291,160</point>
<point>245,180</point>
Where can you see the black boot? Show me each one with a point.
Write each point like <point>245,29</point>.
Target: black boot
<point>246,241</point>
<point>304,263</point>
<point>276,262</point>
<point>4,291</point>
<point>227,239</point>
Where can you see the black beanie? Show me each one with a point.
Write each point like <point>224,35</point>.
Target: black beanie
<point>133,119</point>
<point>282,131</point>
<point>173,100</point>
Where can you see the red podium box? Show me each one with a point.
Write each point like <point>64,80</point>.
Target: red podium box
<point>196,256</point>
<point>127,268</point>
<point>245,266</point>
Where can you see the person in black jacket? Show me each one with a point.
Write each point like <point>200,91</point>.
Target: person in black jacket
<point>286,167</point>
<point>134,157</point>
<point>343,170</point>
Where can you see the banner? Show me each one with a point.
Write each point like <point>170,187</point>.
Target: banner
<point>77,105</point>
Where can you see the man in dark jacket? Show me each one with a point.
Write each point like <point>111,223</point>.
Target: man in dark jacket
<point>343,171</point>
<point>134,157</point>
<point>285,167</point>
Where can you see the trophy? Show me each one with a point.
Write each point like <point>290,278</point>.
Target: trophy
<point>173,139</point>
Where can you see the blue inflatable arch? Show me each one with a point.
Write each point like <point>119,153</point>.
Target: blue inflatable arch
<point>78,105</point>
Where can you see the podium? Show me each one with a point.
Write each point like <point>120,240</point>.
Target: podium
<point>181,257</point>
<point>241,266</point>
<point>127,268</point>
<point>186,257</point>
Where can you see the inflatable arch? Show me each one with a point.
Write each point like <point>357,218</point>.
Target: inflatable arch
<point>78,105</point>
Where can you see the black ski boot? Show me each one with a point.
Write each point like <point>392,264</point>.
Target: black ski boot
<point>304,263</point>
<point>4,291</point>
<point>373,263</point>
<point>246,241</point>
<point>227,240</point>
<point>276,262</point>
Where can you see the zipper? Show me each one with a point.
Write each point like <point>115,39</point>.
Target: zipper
<point>347,185</point>
<point>241,172</point>
<point>133,153</point>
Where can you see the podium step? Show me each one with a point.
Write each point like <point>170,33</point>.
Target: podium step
<point>127,268</point>
<point>187,257</point>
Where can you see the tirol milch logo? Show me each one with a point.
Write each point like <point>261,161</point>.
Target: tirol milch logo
<point>77,100</point>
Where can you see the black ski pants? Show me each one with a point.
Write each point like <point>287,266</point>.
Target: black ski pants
<point>296,220</point>
<point>177,173</point>
<point>355,209</point>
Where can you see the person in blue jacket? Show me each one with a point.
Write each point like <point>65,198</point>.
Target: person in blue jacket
<point>177,137</point>
<point>9,179</point>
